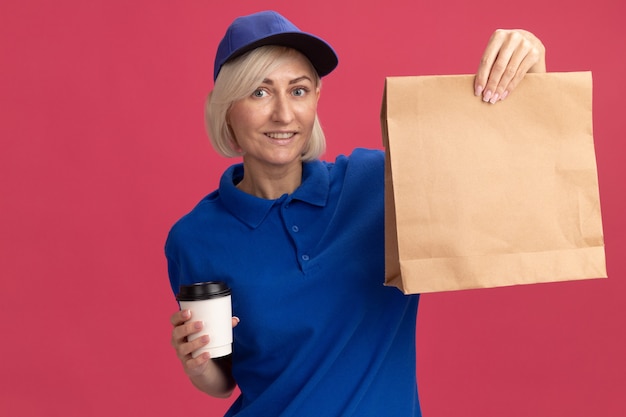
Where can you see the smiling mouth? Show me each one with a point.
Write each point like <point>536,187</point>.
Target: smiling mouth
<point>280,135</point>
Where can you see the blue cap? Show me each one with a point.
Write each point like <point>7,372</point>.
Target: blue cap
<point>270,28</point>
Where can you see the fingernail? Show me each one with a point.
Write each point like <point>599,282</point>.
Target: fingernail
<point>186,314</point>
<point>494,98</point>
<point>478,91</point>
<point>236,318</point>
<point>198,325</point>
<point>487,96</point>
<point>504,95</point>
<point>204,339</point>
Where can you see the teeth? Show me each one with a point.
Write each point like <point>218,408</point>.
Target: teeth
<point>280,135</point>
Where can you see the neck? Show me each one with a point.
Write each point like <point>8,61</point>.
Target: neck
<point>270,184</point>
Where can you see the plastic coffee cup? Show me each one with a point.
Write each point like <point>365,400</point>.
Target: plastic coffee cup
<point>210,302</point>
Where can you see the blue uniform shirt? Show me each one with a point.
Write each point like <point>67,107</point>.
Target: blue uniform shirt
<point>320,335</point>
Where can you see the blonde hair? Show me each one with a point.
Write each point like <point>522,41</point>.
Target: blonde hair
<point>238,79</point>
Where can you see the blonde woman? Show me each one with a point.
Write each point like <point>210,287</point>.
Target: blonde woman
<point>300,240</point>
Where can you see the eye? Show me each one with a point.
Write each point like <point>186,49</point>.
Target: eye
<point>259,93</point>
<point>300,91</point>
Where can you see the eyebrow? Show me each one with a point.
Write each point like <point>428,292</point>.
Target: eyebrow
<point>294,81</point>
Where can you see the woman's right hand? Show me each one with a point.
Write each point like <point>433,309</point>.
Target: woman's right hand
<point>207,375</point>
<point>183,328</point>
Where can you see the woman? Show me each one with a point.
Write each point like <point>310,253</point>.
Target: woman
<point>301,241</point>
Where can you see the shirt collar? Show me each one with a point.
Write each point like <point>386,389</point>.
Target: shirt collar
<point>253,210</point>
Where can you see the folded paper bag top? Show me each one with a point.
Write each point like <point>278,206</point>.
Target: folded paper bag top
<point>480,195</point>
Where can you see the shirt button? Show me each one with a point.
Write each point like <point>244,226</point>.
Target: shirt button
<point>305,257</point>
<point>295,229</point>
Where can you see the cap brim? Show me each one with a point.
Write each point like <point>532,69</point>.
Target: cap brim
<point>321,54</point>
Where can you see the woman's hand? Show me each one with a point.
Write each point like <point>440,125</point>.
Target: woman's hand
<point>509,55</point>
<point>182,329</point>
<point>212,377</point>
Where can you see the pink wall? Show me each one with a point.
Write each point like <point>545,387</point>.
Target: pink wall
<point>103,148</point>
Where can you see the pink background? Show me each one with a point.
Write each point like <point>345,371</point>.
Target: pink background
<point>103,148</point>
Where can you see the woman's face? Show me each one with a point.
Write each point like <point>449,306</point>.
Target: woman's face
<point>273,125</point>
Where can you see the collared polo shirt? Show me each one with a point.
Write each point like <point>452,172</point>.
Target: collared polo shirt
<point>320,335</point>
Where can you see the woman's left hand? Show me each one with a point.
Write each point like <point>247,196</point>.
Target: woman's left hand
<point>509,55</point>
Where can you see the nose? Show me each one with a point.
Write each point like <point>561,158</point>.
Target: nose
<point>282,111</point>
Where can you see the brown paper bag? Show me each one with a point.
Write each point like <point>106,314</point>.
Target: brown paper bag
<point>480,195</point>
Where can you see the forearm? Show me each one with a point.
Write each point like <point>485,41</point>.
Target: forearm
<point>217,379</point>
